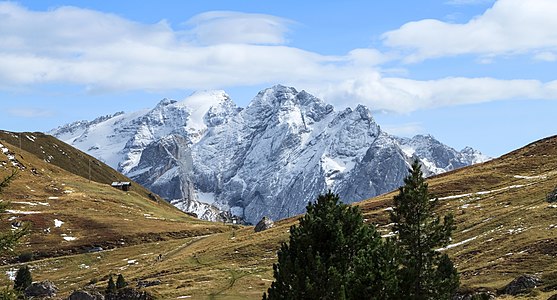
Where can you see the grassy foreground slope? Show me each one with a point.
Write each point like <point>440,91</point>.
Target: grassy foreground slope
<point>505,228</point>
<point>69,213</point>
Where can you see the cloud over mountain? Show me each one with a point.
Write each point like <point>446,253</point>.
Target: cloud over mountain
<point>103,52</point>
<point>510,27</point>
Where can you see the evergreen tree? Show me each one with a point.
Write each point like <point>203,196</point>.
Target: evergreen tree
<point>111,287</point>
<point>420,233</point>
<point>374,273</point>
<point>121,282</point>
<point>23,279</point>
<point>330,253</point>
<point>447,278</point>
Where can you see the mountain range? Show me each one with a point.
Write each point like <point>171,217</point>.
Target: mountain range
<point>208,156</point>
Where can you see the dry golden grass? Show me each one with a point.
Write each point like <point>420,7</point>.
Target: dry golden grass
<point>93,213</point>
<point>499,206</point>
<point>502,212</point>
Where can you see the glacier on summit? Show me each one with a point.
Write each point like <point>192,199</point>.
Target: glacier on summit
<point>206,155</point>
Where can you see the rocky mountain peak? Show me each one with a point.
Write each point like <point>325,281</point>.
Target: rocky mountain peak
<point>269,159</point>
<point>277,94</point>
<point>216,103</point>
<point>284,97</point>
<point>474,156</point>
<point>285,105</point>
<point>436,156</point>
<point>165,102</point>
<point>364,112</point>
<point>424,138</point>
<point>221,112</point>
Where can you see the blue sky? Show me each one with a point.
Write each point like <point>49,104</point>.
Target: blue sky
<point>470,72</point>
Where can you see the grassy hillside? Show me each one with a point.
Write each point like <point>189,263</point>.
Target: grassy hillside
<point>505,228</point>
<point>69,213</point>
<point>505,225</point>
<point>51,150</point>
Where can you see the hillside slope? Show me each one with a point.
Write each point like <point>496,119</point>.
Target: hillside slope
<point>69,213</point>
<point>505,228</point>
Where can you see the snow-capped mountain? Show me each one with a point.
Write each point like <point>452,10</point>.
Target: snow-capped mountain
<point>437,157</point>
<point>205,154</point>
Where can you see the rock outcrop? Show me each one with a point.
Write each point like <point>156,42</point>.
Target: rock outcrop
<point>86,295</point>
<point>128,293</point>
<point>43,289</point>
<point>522,284</point>
<point>264,224</point>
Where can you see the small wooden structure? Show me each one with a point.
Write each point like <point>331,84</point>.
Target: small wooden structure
<point>124,186</point>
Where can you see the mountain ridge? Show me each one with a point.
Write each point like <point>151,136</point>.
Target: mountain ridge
<point>205,153</point>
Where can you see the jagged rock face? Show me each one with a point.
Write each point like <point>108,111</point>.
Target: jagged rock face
<point>384,163</point>
<point>437,157</point>
<point>269,159</point>
<point>168,159</point>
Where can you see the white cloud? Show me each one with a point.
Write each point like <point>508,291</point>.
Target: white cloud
<point>407,95</point>
<point>221,27</point>
<point>510,27</point>
<point>104,52</point>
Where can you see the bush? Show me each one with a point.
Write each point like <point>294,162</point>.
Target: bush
<point>111,287</point>
<point>23,279</point>
<point>120,282</point>
<point>25,257</point>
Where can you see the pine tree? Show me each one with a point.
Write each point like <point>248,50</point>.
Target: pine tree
<point>330,252</point>
<point>374,274</point>
<point>447,278</point>
<point>420,233</point>
<point>111,287</point>
<point>121,282</point>
<point>23,279</point>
